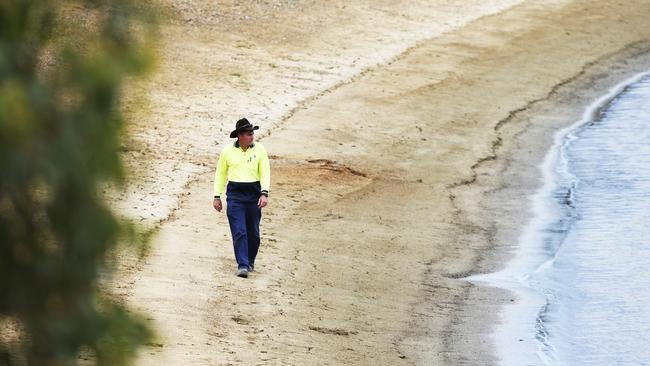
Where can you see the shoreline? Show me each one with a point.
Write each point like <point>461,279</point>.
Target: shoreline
<point>595,90</point>
<point>367,237</point>
<point>521,323</point>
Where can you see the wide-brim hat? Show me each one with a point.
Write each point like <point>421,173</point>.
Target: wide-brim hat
<point>243,126</point>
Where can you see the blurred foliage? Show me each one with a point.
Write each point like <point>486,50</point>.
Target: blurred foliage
<point>62,65</point>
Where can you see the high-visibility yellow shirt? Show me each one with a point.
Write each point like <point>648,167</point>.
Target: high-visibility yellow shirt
<point>237,165</point>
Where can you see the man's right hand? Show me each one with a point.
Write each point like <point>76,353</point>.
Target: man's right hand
<point>217,204</point>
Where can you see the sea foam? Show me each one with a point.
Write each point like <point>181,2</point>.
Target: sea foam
<point>578,274</point>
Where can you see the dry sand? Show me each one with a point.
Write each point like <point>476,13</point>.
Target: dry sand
<point>396,131</point>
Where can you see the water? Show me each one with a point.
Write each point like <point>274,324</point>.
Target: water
<point>580,275</point>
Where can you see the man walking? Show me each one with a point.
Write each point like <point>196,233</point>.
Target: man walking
<point>245,165</point>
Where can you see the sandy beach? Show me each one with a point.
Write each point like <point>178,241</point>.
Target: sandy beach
<point>405,139</point>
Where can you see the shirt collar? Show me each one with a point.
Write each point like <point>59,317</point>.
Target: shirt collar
<point>249,146</point>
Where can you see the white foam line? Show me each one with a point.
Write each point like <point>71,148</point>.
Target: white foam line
<point>514,336</point>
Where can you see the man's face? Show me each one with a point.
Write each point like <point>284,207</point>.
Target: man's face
<point>246,138</point>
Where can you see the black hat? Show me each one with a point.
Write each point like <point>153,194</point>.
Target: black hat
<point>242,126</point>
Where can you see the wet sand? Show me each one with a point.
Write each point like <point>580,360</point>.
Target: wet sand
<point>505,187</point>
<point>388,178</point>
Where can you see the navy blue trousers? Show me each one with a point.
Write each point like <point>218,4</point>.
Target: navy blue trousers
<point>244,219</point>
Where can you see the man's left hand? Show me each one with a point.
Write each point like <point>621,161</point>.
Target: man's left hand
<point>263,201</point>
